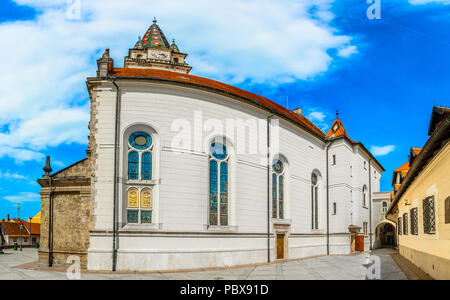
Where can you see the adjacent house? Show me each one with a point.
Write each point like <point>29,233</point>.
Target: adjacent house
<point>421,203</point>
<point>20,232</point>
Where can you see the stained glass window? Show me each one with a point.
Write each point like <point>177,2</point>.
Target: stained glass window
<point>274,196</point>
<point>140,140</point>
<point>146,217</point>
<point>146,198</point>
<point>213,188</point>
<point>218,185</point>
<point>140,162</point>
<point>281,198</point>
<point>146,166</point>
<point>133,216</point>
<point>133,198</point>
<point>133,165</point>
<point>223,194</point>
<point>277,189</point>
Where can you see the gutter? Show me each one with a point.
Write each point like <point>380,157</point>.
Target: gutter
<point>328,199</point>
<point>268,186</point>
<point>50,225</point>
<point>116,179</point>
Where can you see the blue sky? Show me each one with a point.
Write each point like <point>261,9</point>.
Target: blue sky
<point>383,75</point>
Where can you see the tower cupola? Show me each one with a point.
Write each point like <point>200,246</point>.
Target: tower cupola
<point>153,51</point>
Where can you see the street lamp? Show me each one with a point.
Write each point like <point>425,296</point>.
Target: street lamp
<point>20,226</point>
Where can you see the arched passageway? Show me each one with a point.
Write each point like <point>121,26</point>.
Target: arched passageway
<point>385,235</point>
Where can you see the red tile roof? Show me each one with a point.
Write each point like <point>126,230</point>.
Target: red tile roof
<point>416,150</point>
<point>13,229</point>
<point>403,168</point>
<point>34,228</point>
<point>223,88</point>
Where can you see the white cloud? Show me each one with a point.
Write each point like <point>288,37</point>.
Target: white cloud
<point>20,155</point>
<point>421,2</point>
<point>23,197</point>
<point>14,176</point>
<point>43,98</point>
<point>316,116</point>
<point>382,150</point>
<point>347,51</point>
<point>58,163</point>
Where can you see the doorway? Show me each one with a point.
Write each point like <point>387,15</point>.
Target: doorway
<point>280,246</point>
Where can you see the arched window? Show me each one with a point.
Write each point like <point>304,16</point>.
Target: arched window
<point>364,196</point>
<point>218,184</point>
<point>139,198</point>
<point>314,201</point>
<point>278,189</point>
<point>384,206</point>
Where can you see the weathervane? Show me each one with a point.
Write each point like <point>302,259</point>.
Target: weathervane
<point>337,114</point>
<point>154,20</point>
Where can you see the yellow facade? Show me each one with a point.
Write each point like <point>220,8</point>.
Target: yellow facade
<point>36,219</point>
<point>430,252</point>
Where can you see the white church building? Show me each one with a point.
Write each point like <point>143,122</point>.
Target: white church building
<point>185,172</point>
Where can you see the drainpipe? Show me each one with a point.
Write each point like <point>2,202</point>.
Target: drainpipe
<point>268,186</point>
<point>328,200</point>
<point>48,169</point>
<point>50,225</point>
<point>370,204</point>
<point>116,179</point>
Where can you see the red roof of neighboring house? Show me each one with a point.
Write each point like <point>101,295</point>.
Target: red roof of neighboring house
<point>416,150</point>
<point>217,86</point>
<point>34,228</point>
<point>13,229</point>
<point>403,168</point>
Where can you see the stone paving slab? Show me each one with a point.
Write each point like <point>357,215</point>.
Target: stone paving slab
<point>318,268</point>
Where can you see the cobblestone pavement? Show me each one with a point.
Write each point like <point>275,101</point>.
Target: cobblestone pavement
<point>320,268</point>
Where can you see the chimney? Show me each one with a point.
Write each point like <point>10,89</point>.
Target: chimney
<point>105,64</point>
<point>7,218</point>
<point>298,111</point>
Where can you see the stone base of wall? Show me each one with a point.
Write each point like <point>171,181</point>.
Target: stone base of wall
<point>435,266</point>
<point>60,259</point>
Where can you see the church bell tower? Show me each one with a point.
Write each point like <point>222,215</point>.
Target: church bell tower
<point>153,51</point>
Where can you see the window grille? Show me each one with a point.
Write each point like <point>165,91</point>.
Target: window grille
<point>414,221</point>
<point>405,223</point>
<point>399,226</point>
<point>429,225</point>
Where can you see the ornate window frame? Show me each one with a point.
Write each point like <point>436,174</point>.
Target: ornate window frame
<point>140,193</point>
